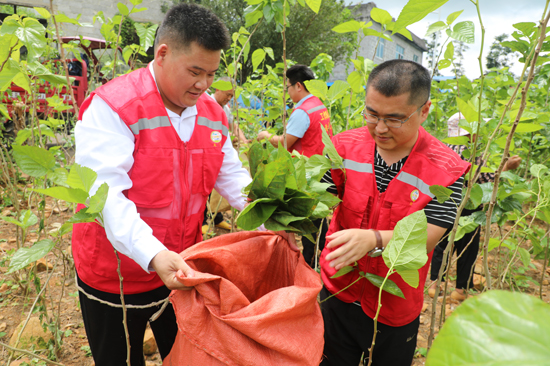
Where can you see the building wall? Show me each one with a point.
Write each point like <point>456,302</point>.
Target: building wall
<point>368,45</point>
<point>88,9</point>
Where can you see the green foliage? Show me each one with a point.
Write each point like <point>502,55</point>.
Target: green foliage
<point>285,193</point>
<point>495,328</point>
<point>24,256</point>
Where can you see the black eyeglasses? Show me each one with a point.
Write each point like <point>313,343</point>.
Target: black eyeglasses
<point>390,122</point>
<point>288,86</point>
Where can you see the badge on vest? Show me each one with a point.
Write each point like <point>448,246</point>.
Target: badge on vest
<point>414,195</point>
<point>216,137</point>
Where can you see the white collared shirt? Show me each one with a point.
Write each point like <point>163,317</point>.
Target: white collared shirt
<point>105,144</point>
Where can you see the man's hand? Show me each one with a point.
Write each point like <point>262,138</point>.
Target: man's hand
<point>262,135</point>
<point>512,163</point>
<point>354,245</point>
<point>290,238</point>
<point>167,263</point>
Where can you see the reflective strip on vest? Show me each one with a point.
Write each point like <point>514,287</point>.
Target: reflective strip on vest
<point>415,182</point>
<point>213,125</point>
<point>149,124</point>
<point>315,109</point>
<point>358,167</point>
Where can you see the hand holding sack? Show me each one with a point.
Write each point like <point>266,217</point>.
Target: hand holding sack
<point>254,302</point>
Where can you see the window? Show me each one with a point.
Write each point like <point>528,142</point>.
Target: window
<point>380,49</point>
<point>415,58</point>
<point>399,52</point>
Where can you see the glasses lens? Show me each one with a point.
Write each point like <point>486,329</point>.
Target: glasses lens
<point>370,118</point>
<point>392,122</point>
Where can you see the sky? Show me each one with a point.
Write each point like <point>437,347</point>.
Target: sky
<point>498,17</point>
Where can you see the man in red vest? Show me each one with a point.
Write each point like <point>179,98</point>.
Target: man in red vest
<point>390,165</point>
<point>304,134</point>
<point>161,145</point>
<point>303,131</point>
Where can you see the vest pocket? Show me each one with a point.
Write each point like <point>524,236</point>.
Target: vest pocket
<point>104,263</point>
<point>206,167</point>
<point>353,209</point>
<point>153,181</point>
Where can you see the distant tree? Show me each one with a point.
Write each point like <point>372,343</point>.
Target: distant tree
<point>460,48</point>
<point>307,35</point>
<point>499,55</point>
<point>434,47</point>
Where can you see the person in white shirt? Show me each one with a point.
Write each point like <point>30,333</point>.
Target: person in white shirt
<point>187,55</point>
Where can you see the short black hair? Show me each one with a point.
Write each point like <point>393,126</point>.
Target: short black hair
<point>188,22</point>
<point>299,74</point>
<point>397,77</point>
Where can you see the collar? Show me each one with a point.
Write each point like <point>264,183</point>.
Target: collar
<point>303,100</point>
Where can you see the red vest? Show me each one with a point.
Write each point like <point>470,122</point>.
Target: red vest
<point>171,180</point>
<point>430,162</point>
<point>312,141</point>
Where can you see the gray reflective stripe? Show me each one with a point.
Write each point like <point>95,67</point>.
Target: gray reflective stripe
<point>149,124</point>
<point>415,182</point>
<point>315,109</point>
<point>213,125</point>
<point>358,167</point>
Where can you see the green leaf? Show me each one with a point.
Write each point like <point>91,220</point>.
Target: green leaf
<point>258,57</point>
<point>452,17</point>
<point>123,9</point>
<point>458,140</point>
<point>256,213</point>
<point>97,201</point>
<point>389,286</point>
<point>136,2</point>
<point>285,218</point>
<point>380,16</point>
<point>314,5</point>
<point>463,31</point>
<point>416,10</point>
<point>407,248</point>
<point>82,216</point>
<point>442,193</point>
<point>11,220</point>
<point>524,127</point>
<point>349,26</point>
<point>338,90</point>
<point>28,219</point>
<point>81,177</point>
<point>317,88</point>
<point>493,329</point>
<point>66,194</point>
<point>375,33</point>
<point>32,35</point>
<point>410,276</point>
<point>330,150</point>
<point>525,256</point>
<point>476,194</point>
<point>466,110</point>
<point>24,256</point>
<point>435,27</point>
<point>538,170</point>
<point>321,211</point>
<point>316,167</point>
<point>356,81</point>
<point>343,271</point>
<point>443,64</point>
<point>450,51</point>
<point>62,18</point>
<point>466,224</point>
<point>43,12</point>
<point>33,160</point>
<point>253,17</point>
<point>222,85</point>
<point>146,35</point>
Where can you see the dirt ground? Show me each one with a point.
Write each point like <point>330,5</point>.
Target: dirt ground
<point>14,305</point>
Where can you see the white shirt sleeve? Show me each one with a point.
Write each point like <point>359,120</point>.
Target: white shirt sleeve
<point>105,144</point>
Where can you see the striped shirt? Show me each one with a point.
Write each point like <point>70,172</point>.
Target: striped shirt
<point>439,214</point>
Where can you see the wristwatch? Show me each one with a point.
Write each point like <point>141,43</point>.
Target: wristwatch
<point>379,248</point>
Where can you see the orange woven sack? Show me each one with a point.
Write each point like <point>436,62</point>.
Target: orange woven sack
<point>254,303</point>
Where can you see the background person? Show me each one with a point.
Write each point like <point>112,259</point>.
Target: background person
<point>466,247</point>
<point>223,97</point>
<point>304,134</point>
<point>390,164</point>
<point>162,146</point>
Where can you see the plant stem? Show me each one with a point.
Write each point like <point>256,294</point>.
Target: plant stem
<point>124,315</point>
<point>544,264</point>
<point>30,354</point>
<point>284,73</point>
<point>64,61</point>
<point>371,349</point>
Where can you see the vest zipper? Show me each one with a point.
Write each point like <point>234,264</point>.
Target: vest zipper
<point>186,193</point>
<point>370,260</point>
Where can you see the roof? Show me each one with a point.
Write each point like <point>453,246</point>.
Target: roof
<point>366,8</point>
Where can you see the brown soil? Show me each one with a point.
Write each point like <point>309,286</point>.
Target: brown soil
<point>15,304</point>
